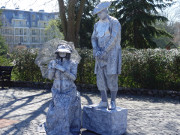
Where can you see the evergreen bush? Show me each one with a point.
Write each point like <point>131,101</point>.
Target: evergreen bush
<point>144,68</point>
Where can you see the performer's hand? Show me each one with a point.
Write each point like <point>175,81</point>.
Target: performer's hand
<point>60,68</point>
<point>94,52</point>
<point>104,53</point>
<point>53,64</point>
<point>98,53</point>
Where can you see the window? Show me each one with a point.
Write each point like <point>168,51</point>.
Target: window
<point>17,40</point>
<point>45,17</point>
<point>21,39</point>
<point>25,32</point>
<point>33,32</point>
<point>25,39</point>
<point>33,24</point>
<point>33,39</point>
<point>2,31</point>
<point>42,32</point>
<point>6,39</point>
<point>17,31</point>
<point>15,23</point>
<point>33,17</point>
<point>20,15</point>
<point>11,39</point>
<point>6,31</point>
<point>10,31</point>
<point>21,32</point>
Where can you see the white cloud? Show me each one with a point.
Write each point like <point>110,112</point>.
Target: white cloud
<point>36,5</point>
<point>52,6</point>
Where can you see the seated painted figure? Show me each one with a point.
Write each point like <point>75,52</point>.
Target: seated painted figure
<point>64,114</point>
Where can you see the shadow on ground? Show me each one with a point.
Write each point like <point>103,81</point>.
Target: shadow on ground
<point>27,100</point>
<point>145,98</point>
<point>33,115</point>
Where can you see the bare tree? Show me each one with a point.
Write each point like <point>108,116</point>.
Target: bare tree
<point>70,14</point>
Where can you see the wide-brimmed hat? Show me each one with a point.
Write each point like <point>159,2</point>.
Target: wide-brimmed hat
<point>63,48</point>
<point>101,6</point>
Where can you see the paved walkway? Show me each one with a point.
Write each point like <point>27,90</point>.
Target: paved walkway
<point>23,110</point>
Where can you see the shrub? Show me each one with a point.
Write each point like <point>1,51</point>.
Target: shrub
<point>151,68</point>
<point>85,73</point>
<point>3,46</point>
<point>4,61</point>
<point>145,68</point>
<point>25,69</point>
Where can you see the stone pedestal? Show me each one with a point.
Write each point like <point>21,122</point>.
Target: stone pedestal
<point>64,114</point>
<point>103,121</point>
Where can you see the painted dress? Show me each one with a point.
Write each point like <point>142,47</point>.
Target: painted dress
<point>64,114</point>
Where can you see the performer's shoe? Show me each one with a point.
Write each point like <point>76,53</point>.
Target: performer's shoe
<point>103,104</point>
<point>113,105</point>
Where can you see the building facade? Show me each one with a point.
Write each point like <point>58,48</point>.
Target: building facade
<point>25,27</point>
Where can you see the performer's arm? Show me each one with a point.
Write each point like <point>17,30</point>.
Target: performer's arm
<point>51,70</point>
<point>116,29</point>
<point>94,41</point>
<point>73,72</point>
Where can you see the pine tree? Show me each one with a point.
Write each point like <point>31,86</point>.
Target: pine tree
<point>87,23</point>
<point>137,18</point>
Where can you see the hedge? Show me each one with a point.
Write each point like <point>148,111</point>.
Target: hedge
<point>145,68</point>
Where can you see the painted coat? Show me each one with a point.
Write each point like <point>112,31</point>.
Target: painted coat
<point>110,44</point>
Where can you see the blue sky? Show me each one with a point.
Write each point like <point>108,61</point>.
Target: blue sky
<point>173,13</point>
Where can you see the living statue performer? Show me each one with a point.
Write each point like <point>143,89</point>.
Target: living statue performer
<point>105,40</point>
<point>64,113</point>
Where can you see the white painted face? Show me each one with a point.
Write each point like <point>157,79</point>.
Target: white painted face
<point>62,54</point>
<point>103,14</point>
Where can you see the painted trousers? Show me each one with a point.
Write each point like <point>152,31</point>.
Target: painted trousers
<point>106,81</point>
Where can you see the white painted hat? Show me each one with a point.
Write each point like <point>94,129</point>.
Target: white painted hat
<point>101,6</point>
<point>63,48</point>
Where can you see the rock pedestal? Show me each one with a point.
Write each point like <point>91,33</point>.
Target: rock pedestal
<point>103,121</point>
<point>64,115</point>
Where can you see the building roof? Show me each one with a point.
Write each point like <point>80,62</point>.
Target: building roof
<point>29,16</point>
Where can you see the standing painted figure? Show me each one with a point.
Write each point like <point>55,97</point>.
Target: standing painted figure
<point>64,114</point>
<point>105,40</point>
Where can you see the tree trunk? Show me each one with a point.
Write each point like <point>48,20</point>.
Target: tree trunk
<point>63,17</point>
<point>70,21</point>
<point>78,20</point>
